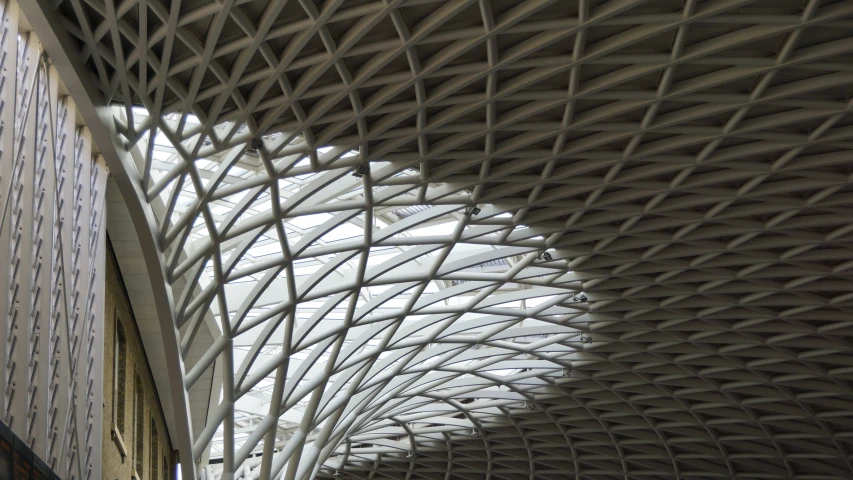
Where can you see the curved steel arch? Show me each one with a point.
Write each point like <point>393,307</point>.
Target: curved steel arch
<point>685,164</point>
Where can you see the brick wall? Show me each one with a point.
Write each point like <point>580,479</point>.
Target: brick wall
<point>136,442</point>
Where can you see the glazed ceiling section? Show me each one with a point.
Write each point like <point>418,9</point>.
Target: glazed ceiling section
<point>334,302</point>
<point>687,165</point>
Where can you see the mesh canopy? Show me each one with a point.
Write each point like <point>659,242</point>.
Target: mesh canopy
<point>655,282</point>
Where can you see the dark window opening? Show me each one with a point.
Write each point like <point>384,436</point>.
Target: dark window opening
<point>120,377</point>
<point>155,448</point>
<point>139,439</point>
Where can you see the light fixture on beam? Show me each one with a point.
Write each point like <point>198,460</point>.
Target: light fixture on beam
<point>255,147</point>
<point>361,171</point>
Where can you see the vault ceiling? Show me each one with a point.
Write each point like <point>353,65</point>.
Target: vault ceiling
<point>686,165</point>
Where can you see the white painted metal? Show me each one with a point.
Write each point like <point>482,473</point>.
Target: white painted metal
<point>686,164</point>
<point>52,240</point>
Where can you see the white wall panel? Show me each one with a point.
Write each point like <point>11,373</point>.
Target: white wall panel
<point>52,187</point>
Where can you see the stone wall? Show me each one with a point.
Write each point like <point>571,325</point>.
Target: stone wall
<point>132,409</point>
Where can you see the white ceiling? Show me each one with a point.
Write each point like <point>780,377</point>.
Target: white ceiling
<point>685,164</point>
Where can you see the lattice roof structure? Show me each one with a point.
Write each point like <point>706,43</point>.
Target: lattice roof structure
<point>487,239</point>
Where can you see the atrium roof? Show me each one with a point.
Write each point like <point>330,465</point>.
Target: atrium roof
<point>458,239</point>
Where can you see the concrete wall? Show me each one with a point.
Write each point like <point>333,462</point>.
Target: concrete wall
<point>131,409</point>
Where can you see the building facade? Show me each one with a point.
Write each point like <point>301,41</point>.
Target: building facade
<point>52,234</point>
<point>76,389</point>
<point>135,435</point>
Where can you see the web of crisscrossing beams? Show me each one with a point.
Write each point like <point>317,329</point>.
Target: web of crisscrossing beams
<point>693,157</point>
<point>322,282</point>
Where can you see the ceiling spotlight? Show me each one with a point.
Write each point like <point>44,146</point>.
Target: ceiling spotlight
<point>586,339</point>
<point>476,432</point>
<point>474,211</point>
<point>255,147</point>
<point>361,171</point>
<point>528,406</point>
<point>546,256</point>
